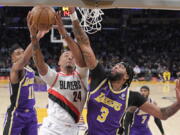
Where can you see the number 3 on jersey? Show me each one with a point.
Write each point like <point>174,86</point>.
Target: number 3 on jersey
<point>104,113</point>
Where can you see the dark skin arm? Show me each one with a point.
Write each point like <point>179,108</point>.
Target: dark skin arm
<point>39,59</point>
<point>84,43</point>
<point>165,112</point>
<point>38,56</point>
<point>17,73</point>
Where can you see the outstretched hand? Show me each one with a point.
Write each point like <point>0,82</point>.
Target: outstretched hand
<point>59,23</point>
<point>35,34</point>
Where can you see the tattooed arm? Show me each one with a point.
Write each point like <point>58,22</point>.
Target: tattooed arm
<point>84,43</point>
<point>166,112</point>
<point>39,59</point>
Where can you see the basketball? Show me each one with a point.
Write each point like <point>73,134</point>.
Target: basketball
<point>43,17</point>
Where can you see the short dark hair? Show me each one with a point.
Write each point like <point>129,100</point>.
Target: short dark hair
<point>130,73</point>
<point>13,48</point>
<point>145,87</point>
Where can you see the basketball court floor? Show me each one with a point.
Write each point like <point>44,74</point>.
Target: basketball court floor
<point>162,93</point>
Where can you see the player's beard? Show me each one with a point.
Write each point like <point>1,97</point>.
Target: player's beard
<point>115,77</point>
<point>70,67</point>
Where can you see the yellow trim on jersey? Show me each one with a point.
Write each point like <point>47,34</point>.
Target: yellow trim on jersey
<point>117,131</point>
<point>11,121</point>
<point>113,91</point>
<point>28,68</point>
<point>126,105</point>
<point>127,98</point>
<point>129,128</point>
<point>134,116</point>
<point>127,102</point>
<point>120,122</point>
<point>98,87</point>
<point>20,84</point>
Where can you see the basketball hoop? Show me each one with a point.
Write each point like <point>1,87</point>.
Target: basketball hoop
<point>91,19</point>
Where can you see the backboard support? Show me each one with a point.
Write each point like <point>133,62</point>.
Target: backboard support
<point>145,4</point>
<point>55,37</point>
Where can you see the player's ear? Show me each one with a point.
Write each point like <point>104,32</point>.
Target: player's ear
<point>126,76</point>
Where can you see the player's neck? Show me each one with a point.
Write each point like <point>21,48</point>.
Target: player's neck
<point>117,85</point>
<point>67,71</point>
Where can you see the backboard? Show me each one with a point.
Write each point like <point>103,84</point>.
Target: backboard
<point>146,4</point>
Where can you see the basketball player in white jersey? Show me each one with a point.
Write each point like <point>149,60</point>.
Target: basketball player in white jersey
<point>67,88</point>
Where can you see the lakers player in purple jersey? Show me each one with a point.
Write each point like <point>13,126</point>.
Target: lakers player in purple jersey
<point>136,121</point>
<point>109,95</point>
<point>21,116</point>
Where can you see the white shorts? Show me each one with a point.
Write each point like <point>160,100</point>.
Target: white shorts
<point>54,127</point>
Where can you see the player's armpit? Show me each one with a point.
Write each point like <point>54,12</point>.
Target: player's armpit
<point>50,76</point>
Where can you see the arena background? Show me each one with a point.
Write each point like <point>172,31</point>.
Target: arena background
<point>148,39</point>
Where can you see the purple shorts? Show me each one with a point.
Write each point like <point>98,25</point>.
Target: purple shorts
<point>140,131</point>
<point>20,122</point>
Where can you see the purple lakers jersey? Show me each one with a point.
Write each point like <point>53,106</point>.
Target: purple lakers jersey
<point>105,109</point>
<point>140,118</point>
<point>22,93</point>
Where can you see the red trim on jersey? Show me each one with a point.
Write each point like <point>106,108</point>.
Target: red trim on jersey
<point>61,73</point>
<point>65,101</point>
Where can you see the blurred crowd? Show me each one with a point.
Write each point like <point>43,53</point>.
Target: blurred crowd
<point>150,45</point>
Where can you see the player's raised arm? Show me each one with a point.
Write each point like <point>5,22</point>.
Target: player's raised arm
<point>83,41</point>
<point>71,43</point>
<point>37,54</point>
<point>19,65</point>
<point>166,112</point>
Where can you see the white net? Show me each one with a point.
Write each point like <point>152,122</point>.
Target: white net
<point>91,19</point>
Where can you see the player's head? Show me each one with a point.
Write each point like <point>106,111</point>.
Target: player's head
<point>66,61</point>
<point>122,71</point>
<point>16,53</point>
<point>145,91</point>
